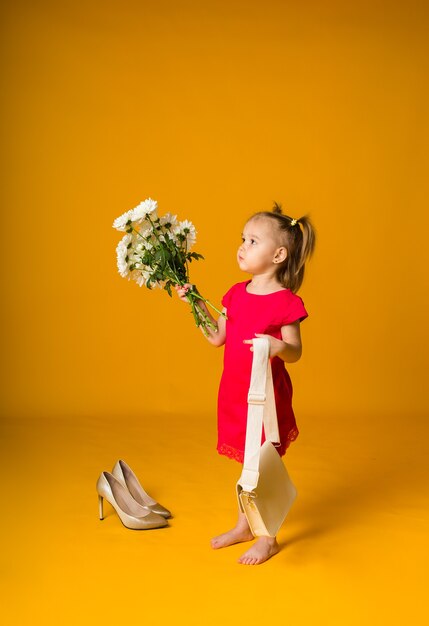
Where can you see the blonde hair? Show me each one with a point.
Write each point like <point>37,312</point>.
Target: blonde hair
<point>298,236</point>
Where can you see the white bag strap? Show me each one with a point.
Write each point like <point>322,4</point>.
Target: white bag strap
<point>261,410</point>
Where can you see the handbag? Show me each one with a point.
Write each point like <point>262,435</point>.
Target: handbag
<point>265,491</point>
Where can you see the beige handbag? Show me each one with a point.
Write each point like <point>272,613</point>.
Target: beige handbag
<point>265,492</point>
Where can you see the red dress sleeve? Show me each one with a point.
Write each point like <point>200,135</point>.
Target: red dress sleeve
<point>227,297</point>
<point>295,311</point>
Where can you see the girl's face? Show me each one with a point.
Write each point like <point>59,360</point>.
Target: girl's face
<point>260,251</point>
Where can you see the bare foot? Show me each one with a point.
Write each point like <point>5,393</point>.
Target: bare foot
<point>236,535</point>
<point>261,551</point>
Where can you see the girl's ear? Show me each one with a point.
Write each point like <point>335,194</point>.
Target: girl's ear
<point>280,255</point>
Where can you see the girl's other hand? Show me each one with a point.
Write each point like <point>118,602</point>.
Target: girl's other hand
<point>290,349</point>
<point>182,291</point>
<point>276,345</point>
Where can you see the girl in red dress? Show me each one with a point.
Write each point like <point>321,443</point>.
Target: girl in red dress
<point>274,250</point>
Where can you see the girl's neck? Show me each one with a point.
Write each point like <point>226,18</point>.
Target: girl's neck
<point>264,284</point>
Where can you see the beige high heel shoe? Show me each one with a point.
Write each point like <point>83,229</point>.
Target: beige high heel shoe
<point>126,476</point>
<point>130,512</point>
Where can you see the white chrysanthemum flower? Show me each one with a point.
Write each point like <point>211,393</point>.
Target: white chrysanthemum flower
<point>146,207</point>
<point>122,255</point>
<point>141,277</point>
<point>120,222</point>
<point>168,220</point>
<point>135,258</point>
<point>146,232</point>
<point>147,244</point>
<point>187,229</point>
<point>173,237</point>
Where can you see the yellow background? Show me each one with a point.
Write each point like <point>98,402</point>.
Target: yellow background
<point>215,109</point>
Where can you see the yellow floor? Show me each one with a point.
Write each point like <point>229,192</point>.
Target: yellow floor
<point>354,546</point>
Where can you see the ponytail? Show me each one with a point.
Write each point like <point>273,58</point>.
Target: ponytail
<point>299,238</point>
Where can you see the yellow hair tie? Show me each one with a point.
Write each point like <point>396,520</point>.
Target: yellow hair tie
<point>293,222</point>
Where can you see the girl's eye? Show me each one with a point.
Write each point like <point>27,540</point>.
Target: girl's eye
<point>252,241</point>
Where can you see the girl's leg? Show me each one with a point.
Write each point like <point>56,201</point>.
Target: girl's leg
<point>240,532</point>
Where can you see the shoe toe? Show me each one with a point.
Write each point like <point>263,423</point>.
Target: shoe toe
<point>160,510</point>
<point>153,520</point>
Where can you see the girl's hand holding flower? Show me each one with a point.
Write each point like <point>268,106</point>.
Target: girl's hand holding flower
<point>183,290</point>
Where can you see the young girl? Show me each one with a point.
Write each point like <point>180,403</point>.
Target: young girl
<point>274,250</point>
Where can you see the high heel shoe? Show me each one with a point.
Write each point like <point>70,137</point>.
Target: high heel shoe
<point>126,476</point>
<point>130,512</point>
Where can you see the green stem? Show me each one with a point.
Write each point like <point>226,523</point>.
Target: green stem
<point>197,295</point>
<point>205,319</point>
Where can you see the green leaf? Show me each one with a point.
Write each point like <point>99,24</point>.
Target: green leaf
<point>195,255</point>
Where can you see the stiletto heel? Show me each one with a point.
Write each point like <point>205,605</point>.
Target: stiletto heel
<point>100,506</point>
<point>126,476</point>
<point>130,512</point>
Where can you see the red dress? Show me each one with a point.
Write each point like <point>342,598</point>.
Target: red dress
<point>248,314</point>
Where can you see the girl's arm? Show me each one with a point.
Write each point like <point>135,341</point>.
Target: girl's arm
<point>289,348</point>
<point>215,338</point>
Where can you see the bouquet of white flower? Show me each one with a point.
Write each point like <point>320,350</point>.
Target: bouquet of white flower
<point>155,252</point>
